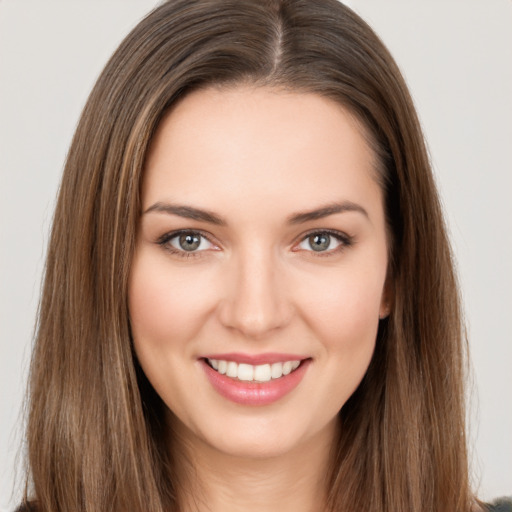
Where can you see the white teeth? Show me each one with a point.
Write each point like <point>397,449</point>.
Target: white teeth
<point>277,370</point>
<point>223,366</point>
<point>232,369</point>
<point>245,371</point>
<point>262,373</point>
<point>248,372</point>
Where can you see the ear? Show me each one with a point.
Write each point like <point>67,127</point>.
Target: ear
<point>387,299</point>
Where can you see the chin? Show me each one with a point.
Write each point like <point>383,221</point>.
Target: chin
<point>257,438</point>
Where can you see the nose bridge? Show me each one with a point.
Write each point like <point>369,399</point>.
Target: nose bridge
<point>256,301</point>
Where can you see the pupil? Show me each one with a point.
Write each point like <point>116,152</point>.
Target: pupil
<point>189,242</point>
<point>319,242</point>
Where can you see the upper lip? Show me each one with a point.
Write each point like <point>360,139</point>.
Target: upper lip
<point>256,359</point>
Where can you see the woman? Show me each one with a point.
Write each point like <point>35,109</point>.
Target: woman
<point>249,298</point>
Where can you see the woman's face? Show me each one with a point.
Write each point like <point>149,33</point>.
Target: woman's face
<point>262,246</point>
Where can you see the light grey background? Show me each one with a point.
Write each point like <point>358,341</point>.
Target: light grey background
<point>457,58</point>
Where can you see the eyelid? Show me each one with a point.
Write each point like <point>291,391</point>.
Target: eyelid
<point>344,239</point>
<point>164,240</point>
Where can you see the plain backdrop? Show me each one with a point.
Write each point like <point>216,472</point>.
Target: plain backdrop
<point>456,56</point>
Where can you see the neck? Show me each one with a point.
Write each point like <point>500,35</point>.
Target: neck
<point>214,481</point>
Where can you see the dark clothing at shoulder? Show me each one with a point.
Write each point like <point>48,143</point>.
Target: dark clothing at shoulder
<point>27,507</point>
<point>501,505</point>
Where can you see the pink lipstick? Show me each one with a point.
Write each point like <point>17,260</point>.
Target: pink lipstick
<point>254,379</point>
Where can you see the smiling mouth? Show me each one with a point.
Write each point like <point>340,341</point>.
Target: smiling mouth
<point>253,373</point>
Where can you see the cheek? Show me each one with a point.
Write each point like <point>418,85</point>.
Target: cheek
<point>165,305</point>
<point>167,309</point>
<point>341,309</point>
<point>344,310</point>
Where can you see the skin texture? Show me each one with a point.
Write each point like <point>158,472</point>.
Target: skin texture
<point>255,157</point>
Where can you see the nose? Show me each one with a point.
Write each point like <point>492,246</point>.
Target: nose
<point>256,302</point>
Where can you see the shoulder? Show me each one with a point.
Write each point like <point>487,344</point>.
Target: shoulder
<point>500,505</point>
<point>26,507</point>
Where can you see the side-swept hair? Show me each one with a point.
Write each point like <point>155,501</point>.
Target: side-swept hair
<point>96,439</point>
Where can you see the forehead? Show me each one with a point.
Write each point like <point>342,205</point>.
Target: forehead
<point>263,144</point>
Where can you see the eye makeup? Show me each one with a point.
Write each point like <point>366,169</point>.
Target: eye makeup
<point>187,243</point>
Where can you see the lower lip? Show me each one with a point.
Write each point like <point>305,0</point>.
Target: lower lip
<point>254,393</point>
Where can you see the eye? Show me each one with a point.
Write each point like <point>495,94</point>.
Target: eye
<point>186,243</point>
<point>324,241</point>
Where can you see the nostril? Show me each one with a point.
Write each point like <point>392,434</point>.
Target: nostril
<point>254,317</point>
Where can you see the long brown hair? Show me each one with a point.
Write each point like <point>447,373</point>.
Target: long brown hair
<point>96,439</point>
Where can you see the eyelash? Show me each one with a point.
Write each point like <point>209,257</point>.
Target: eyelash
<point>344,239</point>
<point>164,240</point>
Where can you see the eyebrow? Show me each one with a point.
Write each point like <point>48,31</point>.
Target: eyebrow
<point>325,211</point>
<point>190,212</point>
